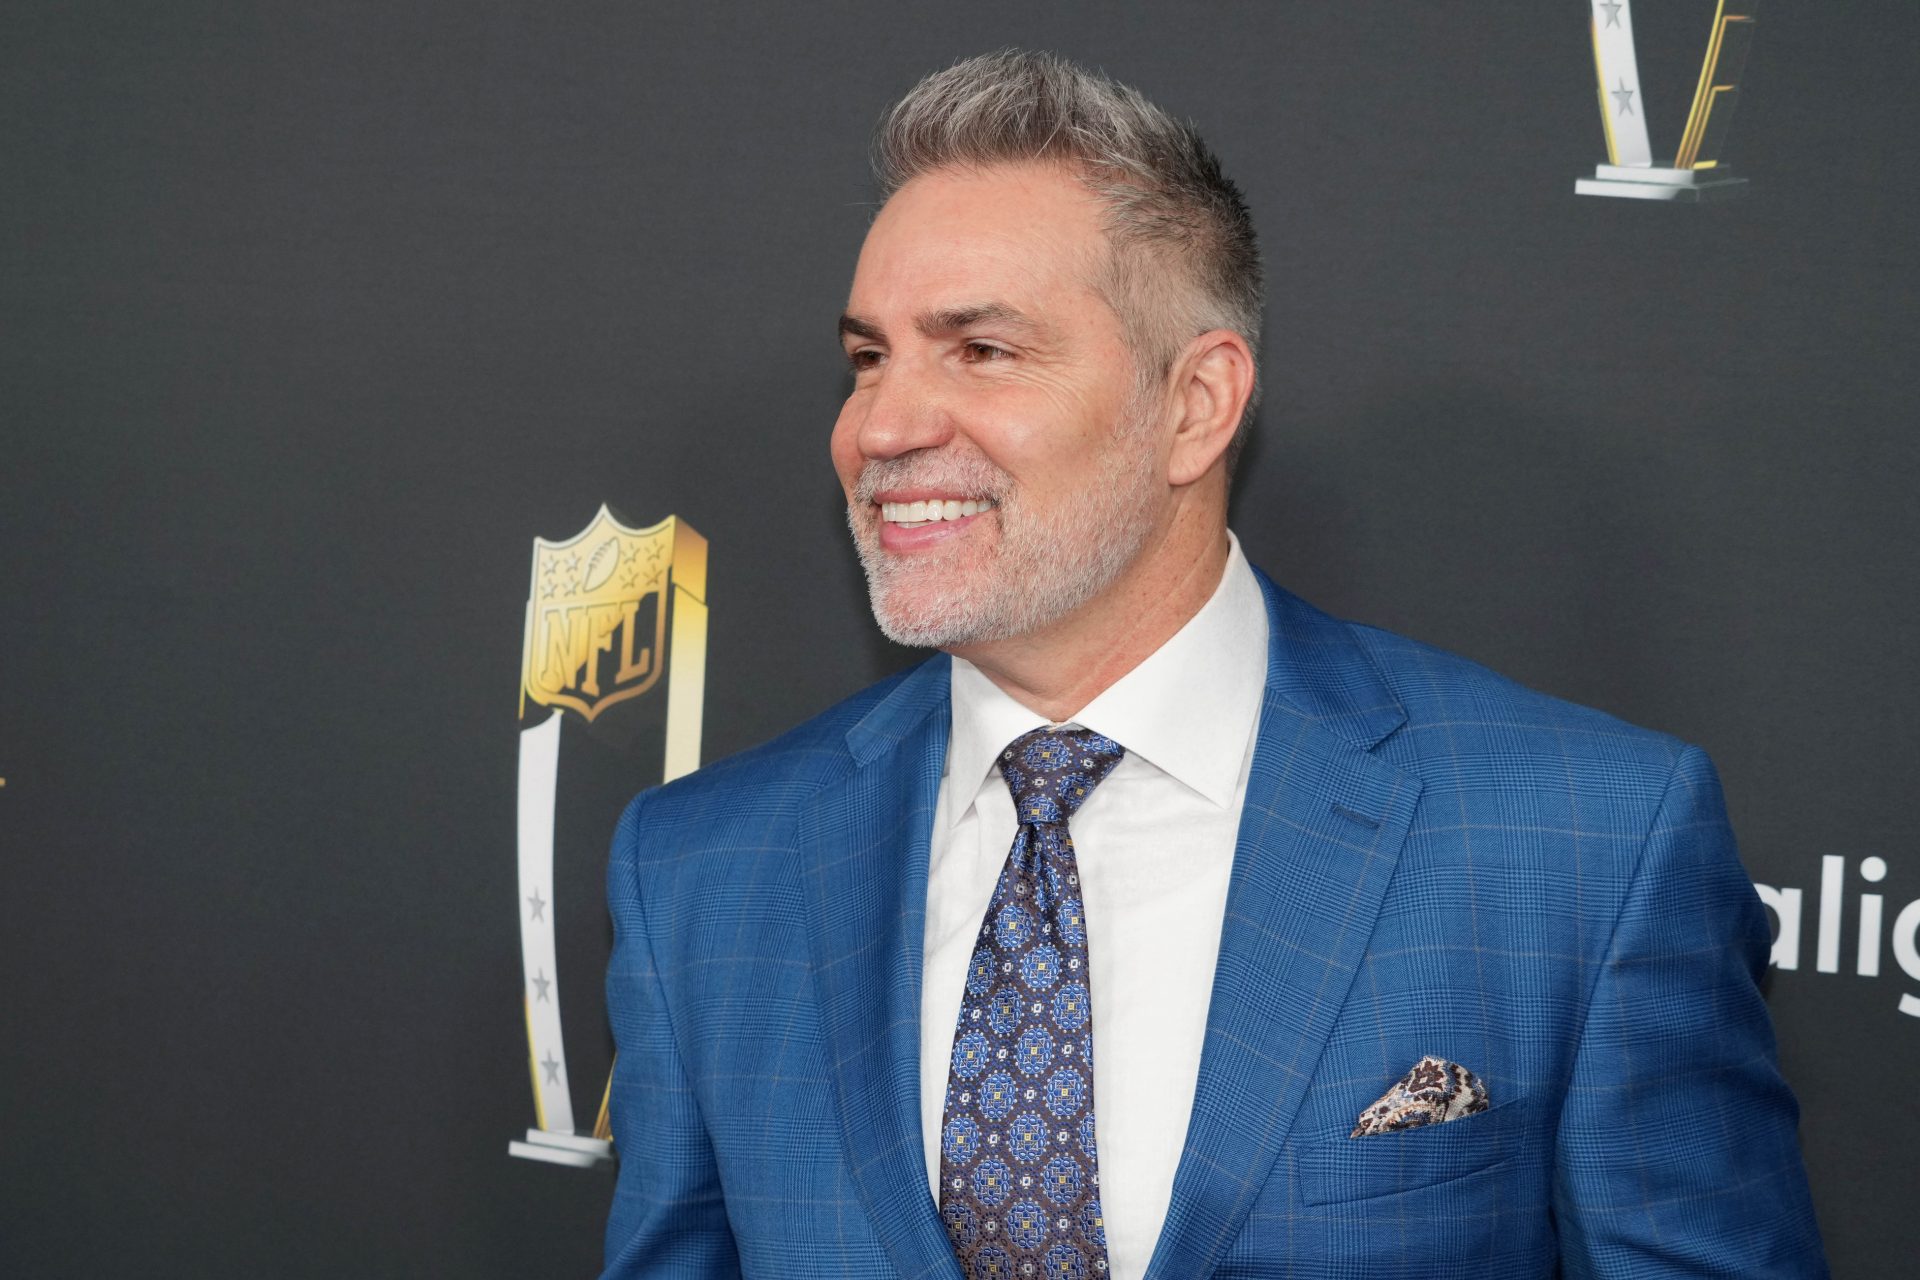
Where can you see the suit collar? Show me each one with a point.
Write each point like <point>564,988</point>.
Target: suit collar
<point>901,712</point>
<point>1316,668</point>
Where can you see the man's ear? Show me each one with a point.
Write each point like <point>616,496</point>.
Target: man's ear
<point>1212,380</point>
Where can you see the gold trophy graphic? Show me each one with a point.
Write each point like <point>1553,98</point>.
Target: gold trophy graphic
<point>612,612</point>
<point>1697,172</point>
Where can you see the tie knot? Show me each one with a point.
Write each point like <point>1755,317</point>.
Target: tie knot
<point>1051,772</point>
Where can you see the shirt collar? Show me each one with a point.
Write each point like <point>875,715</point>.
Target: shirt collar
<point>1189,709</point>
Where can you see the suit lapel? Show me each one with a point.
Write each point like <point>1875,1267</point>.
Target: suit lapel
<point>1319,839</point>
<point>863,843</point>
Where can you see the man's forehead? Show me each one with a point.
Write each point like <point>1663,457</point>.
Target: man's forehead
<point>978,246</point>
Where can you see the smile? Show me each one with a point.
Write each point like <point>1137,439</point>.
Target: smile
<point>912,515</point>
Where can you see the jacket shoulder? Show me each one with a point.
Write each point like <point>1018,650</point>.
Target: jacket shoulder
<point>1463,713</point>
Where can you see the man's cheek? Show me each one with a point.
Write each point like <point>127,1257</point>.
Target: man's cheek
<point>844,449</point>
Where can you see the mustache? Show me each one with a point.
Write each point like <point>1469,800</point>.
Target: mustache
<point>975,477</point>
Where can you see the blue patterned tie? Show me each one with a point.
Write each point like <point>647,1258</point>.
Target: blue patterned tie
<point>1019,1186</point>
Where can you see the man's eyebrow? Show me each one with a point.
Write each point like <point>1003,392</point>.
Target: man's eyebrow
<point>947,320</point>
<point>854,326</point>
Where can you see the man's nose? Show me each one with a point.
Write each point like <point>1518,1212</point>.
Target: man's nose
<point>906,410</point>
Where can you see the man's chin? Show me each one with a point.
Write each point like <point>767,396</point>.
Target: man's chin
<point>932,620</point>
<point>919,629</point>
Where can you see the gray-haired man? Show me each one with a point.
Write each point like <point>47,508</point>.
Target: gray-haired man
<point>1162,925</point>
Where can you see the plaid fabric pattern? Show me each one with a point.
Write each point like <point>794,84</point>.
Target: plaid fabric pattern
<point>1432,860</point>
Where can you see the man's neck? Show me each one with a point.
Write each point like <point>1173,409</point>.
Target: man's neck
<point>1059,669</point>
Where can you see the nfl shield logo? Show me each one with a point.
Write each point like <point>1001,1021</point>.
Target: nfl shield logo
<point>597,611</point>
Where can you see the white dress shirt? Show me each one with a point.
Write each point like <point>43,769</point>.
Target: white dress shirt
<point>1155,849</point>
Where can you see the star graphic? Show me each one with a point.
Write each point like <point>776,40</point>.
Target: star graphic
<point>1613,8</point>
<point>547,591</point>
<point>551,565</point>
<point>630,577</point>
<point>654,553</point>
<point>539,905</point>
<point>1624,96</point>
<point>573,561</point>
<point>540,985</point>
<point>552,1064</point>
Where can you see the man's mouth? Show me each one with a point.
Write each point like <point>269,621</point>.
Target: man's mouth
<point>912,515</point>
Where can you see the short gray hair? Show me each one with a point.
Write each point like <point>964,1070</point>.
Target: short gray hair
<point>1183,258</point>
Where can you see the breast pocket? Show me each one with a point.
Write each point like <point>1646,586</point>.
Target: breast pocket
<point>1384,1164</point>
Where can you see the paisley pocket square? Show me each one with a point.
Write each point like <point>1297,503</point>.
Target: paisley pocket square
<point>1434,1091</point>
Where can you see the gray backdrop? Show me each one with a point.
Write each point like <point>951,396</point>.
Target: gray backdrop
<point>316,315</point>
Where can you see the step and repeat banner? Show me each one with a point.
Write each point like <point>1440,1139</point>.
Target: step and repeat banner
<point>413,427</point>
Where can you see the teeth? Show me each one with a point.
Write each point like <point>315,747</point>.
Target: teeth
<point>928,512</point>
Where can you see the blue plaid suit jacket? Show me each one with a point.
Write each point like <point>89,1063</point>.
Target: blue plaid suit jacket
<point>1432,860</point>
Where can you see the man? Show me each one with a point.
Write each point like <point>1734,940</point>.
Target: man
<point>1162,925</point>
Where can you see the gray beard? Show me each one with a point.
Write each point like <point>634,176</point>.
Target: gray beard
<point>1044,566</point>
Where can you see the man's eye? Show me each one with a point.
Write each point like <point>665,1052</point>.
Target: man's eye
<point>865,358</point>
<point>979,352</point>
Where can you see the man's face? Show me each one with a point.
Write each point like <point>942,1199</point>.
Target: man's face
<point>1000,467</point>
